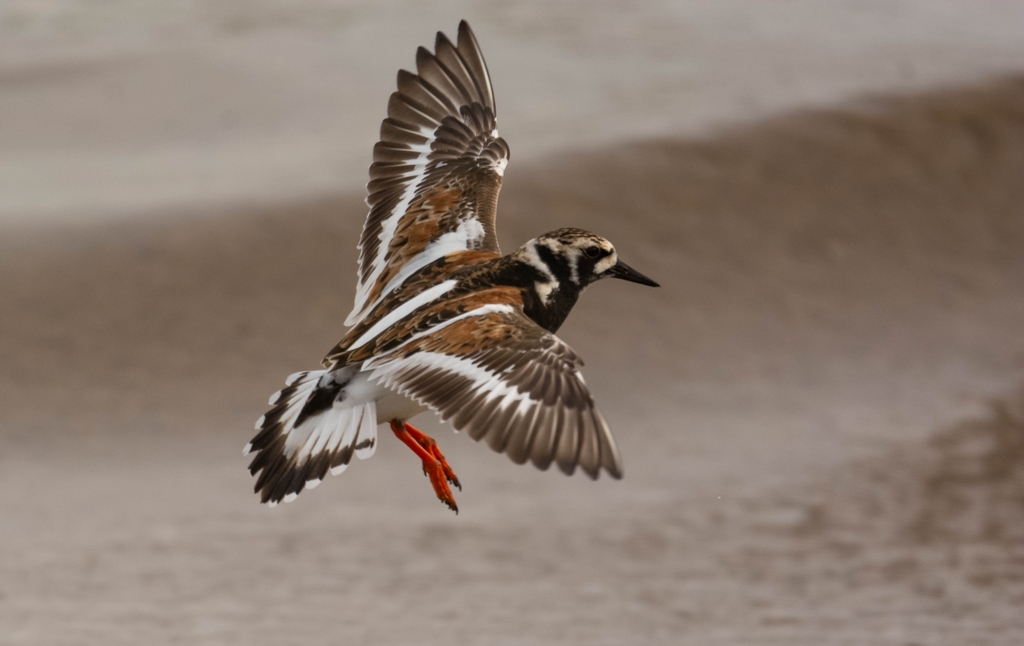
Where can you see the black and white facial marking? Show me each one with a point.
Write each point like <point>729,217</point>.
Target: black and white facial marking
<point>560,265</point>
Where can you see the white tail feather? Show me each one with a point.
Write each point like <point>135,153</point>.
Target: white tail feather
<point>367,432</point>
<point>322,441</point>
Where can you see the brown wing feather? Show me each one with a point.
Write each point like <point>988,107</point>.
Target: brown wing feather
<point>500,377</point>
<point>436,170</point>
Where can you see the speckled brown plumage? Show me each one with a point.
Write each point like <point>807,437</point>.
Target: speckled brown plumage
<point>441,319</point>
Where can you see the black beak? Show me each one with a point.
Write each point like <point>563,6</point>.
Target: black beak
<point>625,272</point>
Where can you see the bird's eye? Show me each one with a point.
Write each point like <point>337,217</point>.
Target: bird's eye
<point>593,252</point>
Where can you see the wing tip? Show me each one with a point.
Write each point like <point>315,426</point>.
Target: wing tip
<point>466,35</point>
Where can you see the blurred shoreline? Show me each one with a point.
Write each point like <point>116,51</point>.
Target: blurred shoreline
<point>112,112</point>
<point>812,237</point>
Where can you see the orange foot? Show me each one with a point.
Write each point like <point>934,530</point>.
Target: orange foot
<point>434,464</point>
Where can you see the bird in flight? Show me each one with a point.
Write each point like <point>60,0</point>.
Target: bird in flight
<point>442,321</point>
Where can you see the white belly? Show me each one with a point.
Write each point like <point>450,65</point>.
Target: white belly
<point>394,406</point>
<point>390,405</point>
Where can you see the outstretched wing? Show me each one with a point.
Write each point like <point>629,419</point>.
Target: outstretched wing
<point>497,375</point>
<point>436,170</point>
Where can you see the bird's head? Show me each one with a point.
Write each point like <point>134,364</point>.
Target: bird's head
<point>571,259</point>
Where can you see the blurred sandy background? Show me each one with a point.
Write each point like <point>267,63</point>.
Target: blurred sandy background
<point>821,412</point>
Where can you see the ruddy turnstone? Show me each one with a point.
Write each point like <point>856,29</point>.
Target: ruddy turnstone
<point>442,320</point>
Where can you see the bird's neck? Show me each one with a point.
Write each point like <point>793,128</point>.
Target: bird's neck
<point>548,297</point>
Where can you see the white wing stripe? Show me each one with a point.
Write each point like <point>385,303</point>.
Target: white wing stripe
<point>483,379</point>
<point>480,311</point>
<point>403,310</point>
<point>459,240</point>
<point>390,224</point>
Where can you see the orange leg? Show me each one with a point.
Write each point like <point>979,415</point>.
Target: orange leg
<point>434,464</point>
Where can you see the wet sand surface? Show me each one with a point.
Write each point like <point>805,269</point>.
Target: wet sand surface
<point>820,411</point>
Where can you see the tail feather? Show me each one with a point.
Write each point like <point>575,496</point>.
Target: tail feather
<point>366,440</point>
<point>309,431</point>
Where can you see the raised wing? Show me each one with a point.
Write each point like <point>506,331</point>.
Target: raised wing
<point>436,170</point>
<point>497,375</point>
